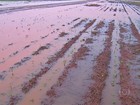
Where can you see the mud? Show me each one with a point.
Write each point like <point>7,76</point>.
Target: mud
<point>63,50</point>
<point>100,72</point>
<point>68,45</point>
<point>89,40</point>
<point>87,54</point>
<point>25,59</point>
<point>26,46</point>
<point>135,31</point>
<point>63,34</point>
<point>13,100</point>
<point>100,25</point>
<point>113,79</point>
<point>129,93</point>
<point>27,86</point>
<point>77,56</point>
<point>41,48</point>
<point>79,23</point>
<point>75,20</point>
<point>31,83</point>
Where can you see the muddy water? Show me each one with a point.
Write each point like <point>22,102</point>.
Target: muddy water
<point>78,80</point>
<point>30,38</point>
<point>76,84</point>
<point>28,52</point>
<point>112,88</point>
<point>54,72</point>
<point>31,31</point>
<point>32,66</point>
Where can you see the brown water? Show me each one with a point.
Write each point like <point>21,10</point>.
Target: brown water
<point>29,39</point>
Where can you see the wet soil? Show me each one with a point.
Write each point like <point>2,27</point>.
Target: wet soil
<point>76,56</point>
<point>129,89</point>
<point>62,34</point>
<point>100,71</point>
<point>65,54</point>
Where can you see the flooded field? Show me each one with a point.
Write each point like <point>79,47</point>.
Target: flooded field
<point>77,54</point>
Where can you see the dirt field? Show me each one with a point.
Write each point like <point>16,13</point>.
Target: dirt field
<point>82,54</point>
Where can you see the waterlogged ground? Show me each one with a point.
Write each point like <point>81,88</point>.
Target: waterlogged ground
<point>83,54</point>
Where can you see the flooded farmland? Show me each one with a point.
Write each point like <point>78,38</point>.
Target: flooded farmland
<point>70,53</point>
